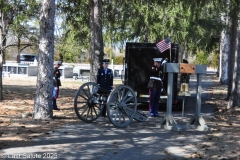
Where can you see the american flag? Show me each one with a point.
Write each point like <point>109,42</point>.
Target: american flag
<point>164,44</point>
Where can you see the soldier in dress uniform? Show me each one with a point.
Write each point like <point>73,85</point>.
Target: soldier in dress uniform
<point>57,74</point>
<point>105,79</point>
<point>54,96</point>
<point>155,87</point>
<point>57,82</point>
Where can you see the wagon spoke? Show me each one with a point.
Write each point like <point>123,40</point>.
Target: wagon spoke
<point>94,109</point>
<point>130,98</point>
<point>83,97</point>
<point>86,108</point>
<point>79,102</point>
<point>123,99</point>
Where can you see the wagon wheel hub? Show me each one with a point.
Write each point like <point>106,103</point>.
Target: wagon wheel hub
<point>90,102</point>
<point>122,105</point>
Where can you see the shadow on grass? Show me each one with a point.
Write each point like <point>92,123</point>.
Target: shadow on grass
<point>11,92</point>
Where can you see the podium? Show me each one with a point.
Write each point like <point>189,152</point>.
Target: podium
<point>196,121</point>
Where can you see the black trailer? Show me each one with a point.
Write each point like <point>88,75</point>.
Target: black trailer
<point>138,61</point>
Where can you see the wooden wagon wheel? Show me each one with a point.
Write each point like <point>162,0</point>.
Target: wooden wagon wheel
<point>86,104</point>
<point>121,106</point>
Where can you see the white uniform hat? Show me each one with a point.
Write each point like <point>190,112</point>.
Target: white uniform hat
<point>57,62</point>
<point>157,59</point>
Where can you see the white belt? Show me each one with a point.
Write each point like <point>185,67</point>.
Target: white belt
<point>156,78</point>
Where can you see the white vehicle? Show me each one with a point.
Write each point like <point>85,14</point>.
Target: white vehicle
<point>27,57</point>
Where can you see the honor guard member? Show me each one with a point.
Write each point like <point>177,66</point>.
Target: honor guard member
<point>57,74</point>
<point>155,87</point>
<point>54,96</point>
<point>105,80</point>
<point>57,82</point>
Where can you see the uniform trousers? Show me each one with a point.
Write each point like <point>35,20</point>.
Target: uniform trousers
<point>154,102</point>
<point>54,102</point>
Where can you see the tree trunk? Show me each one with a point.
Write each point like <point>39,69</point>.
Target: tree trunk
<point>1,87</point>
<point>2,61</point>
<point>1,65</point>
<point>3,32</point>
<point>224,50</point>
<point>18,47</point>
<point>223,65</point>
<point>234,57</point>
<point>43,99</point>
<point>232,48</point>
<point>96,40</point>
<point>234,100</point>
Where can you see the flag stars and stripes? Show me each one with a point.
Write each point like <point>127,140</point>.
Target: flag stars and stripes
<point>164,44</point>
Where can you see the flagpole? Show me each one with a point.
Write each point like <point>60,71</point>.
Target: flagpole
<point>170,54</point>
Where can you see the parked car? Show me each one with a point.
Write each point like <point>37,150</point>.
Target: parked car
<point>27,57</point>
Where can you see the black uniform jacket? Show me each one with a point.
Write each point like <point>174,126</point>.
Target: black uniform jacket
<point>57,76</point>
<point>105,80</point>
<point>155,72</point>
